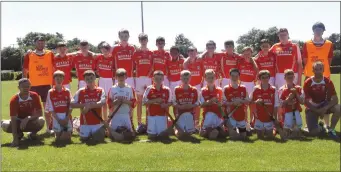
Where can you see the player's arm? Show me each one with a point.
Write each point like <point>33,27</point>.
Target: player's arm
<point>330,55</point>
<point>14,117</point>
<point>100,103</point>
<point>169,101</point>
<point>131,100</point>
<point>304,54</point>
<point>25,65</point>
<point>146,101</point>
<point>276,105</point>
<point>49,106</point>
<point>205,103</point>
<point>332,93</point>
<point>151,69</point>
<point>307,98</point>
<point>75,102</point>
<point>300,96</point>
<point>299,65</point>
<point>37,112</point>
<point>254,64</point>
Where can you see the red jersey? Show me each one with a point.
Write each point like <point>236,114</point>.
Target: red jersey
<point>317,93</point>
<point>286,56</point>
<point>212,63</point>
<point>284,94</point>
<point>24,108</point>
<point>59,100</point>
<point>85,95</point>
<point>229,62</point>
<point>196,71</point>
<point>82,64</point>
<point>266,62</point>
<point>185,96</point>
<point>230,94</point>
<point>206,95</point>
<point>270,98</point>
<point>123,58</point>
<point>247,71</point>
<point>152,93</point>
<point>174,69</point>
<point>105,66</point>
<point>160,58</point>
<point>143,62</point>
<point>64,64</point>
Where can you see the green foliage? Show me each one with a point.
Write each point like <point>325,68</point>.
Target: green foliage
<point>11,58</point>
<point>8,75</point>
<point>183,43</point>
<point>336,58</point>
<point>51,40</point>
<point>335,39</point>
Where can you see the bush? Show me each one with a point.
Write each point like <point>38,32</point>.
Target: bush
<point>335,69</point>
<point>7,75</point>
<point>18,75</point>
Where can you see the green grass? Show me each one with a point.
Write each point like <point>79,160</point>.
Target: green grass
<point>317,154</point>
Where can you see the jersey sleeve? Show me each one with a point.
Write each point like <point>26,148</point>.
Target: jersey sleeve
<point>36,102</point>
<point>298,55</point>
<point>304,51</point>
<point>49,106</point>
<point>306,90</point>
<point>224,97</point>
<point>14,106</point>
<point>330,89</point>
<point>110,98</point>
<point>145,95</point>
<point>102,100</point>
<point>201,98</point>
<point>26,61</point>
<point>75,98</point>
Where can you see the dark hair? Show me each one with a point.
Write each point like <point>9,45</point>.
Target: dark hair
<point>123,31</point>
<point>264,41</point>
<point>210,42</point>
<point>61,44</point>
<point>84,42</point>
<point>89,73</point>
<point>121,72</point>
<point>39,38</point>
<point>158,72</point>
<point>319,25</point>
<point>229,42</point>
<point>23,80</point>
<point>192,48</point>
<point>282,30</point>
<point>234,70</point>
<point>263,72</point>
<point>247,48</point>
<point>104,44</point>
<point>143,36</point>
<point>175,47</point>
<point>159,39</point>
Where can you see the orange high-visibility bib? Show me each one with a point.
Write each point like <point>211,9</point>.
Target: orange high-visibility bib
<point>315,53</point>
<point>40,69</point>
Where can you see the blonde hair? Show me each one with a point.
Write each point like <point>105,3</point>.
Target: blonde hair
<point>121,72</point>
<point>317,63</point>
<point>209,72</point>
<point>185,73</point>
<point>58,73</point>
<point>288,72</point>
<point>263,72</point>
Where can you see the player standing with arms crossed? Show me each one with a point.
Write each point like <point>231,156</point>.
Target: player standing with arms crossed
<point>229,60</point>
<point>160,58</point>
<point>211,60</point>
<point>265,60</point>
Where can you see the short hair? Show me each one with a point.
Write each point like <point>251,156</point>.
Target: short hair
<point>159,39</point>
<point>84,42</point>
<point>317,63</point>
<point>175,48</point>
<point>61,44</point>
<point>121,72</point>
<point>39,38</point>
<point>185,73</point>
<point>281,30</point>
<point>210,42</point>
<point>89,73</point>
<point>58,73</point>
<point>192,48</point>
<point>319,25</point>
<point>123,31</point>
<point>209,71</point>
<point>246,49</point>
<point>23,80</point>
<point>262,73</point>
<point>234,70</point>
<point>158,72</point>
<point>143,36</point>
<point>229,42</point>
<point>104,44</point>
<point>264,41</point>
<point>288,72</point>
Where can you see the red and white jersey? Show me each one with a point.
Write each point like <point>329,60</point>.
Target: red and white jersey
<point>317,93</point>
<point>212,63</point>
<point>85,95</point>
<point>64,64</point>
<point>105,66</point>
<point>183,96</point>
<point>24,108</point>
<point>123,58</point>
<point>266,62</point>
<point>286,56</point>
<point>228,62</point>
<point>126,93</point>
<point>271,101</point>
<point>82,64</point>
<point>160,58</point>
<point>206,95</point>
<point>247,71</point>
<point>152,93</point>
<point>230,94</point>
<point>175,68</point>
<point>143,62</point>
<point>196,70</point>
<point>58,101</point>
<point>284,92</point>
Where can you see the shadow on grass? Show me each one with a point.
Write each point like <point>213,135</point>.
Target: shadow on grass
<point>323,136</point>
<point>190,139</point>
<point>60,144</point>
<point>167,140</point>
<point>246,140</point>
<point>25,144</point>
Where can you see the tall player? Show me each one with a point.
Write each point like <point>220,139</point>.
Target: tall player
<point>143,63</point>
<point>63,63</point>
<point>211,60</point>
<point>229,60</point>
<point>160,58</point>
<point>287,56</point>
<point>266,60</point>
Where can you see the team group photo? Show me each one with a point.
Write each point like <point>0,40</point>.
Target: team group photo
<point>155,98</point>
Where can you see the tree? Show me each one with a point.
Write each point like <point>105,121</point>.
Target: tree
<point>73,45</point>
<point>183,43</point>
<point>336,61</point>
<point>335,39</point>
<point>11,58</point>
<point>299,43</point>
<point>27,42</point>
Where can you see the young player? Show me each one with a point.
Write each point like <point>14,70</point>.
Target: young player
<point>90,100</point>
<point>121,96</point>
<point>122,54</point>
<point>63,63</point>
<point>266,99</point>
<point>143,63</point>
<point>266,60</point>
<point>235,96</point>
<point>59,98</point>
<point>185,99</point>
<point>291,96</point>
<point>160,58</point>
<point>157,99</point>
<point>104,68</point>
<point>193,64</point>
<point>229,60</point>
<point>210,100</point>
<point>211,60</point>
<point>175,66</point>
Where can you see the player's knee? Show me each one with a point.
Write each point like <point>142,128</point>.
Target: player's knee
<point>152,136</point>
<point>213,134</point>
<point>5,124</point>
<point>99,135</point>
<point>336,109</point>
<point>40,122</point>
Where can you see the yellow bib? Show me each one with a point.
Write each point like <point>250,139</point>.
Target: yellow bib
<point>315,53</point>
<point>40,69</point>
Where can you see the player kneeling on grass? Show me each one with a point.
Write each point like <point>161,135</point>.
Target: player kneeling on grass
<point>90,100</point>
<point>185,99</point>
<point>121,100</point>
<point>157,99</point>
<point>291,96</point>
<point>58,101</point>
<point>236,98</point>
<point>26,114</point>
<point>210,100</point>
<point>266,98</point>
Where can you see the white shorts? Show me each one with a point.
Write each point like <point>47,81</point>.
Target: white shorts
<point>261,125</point>
<point>121,120</point>
<point>87,130</point>
<point>249,86</point>
<point>156,124</point>
<point>68,86</point>
<point>56,126</point>
<point>280,81</point>
<point>141,84</point>
<point>211,120</point>
<point>130,81</point>
<point>216,82</point>
<point>172,85</point>
<point>106,84</point>
<point>186,122</point>
<point>81,84</point>
<point>224,82</point>
<point>237,124</point>
<point>289,120</point>
<point>166,81</point>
